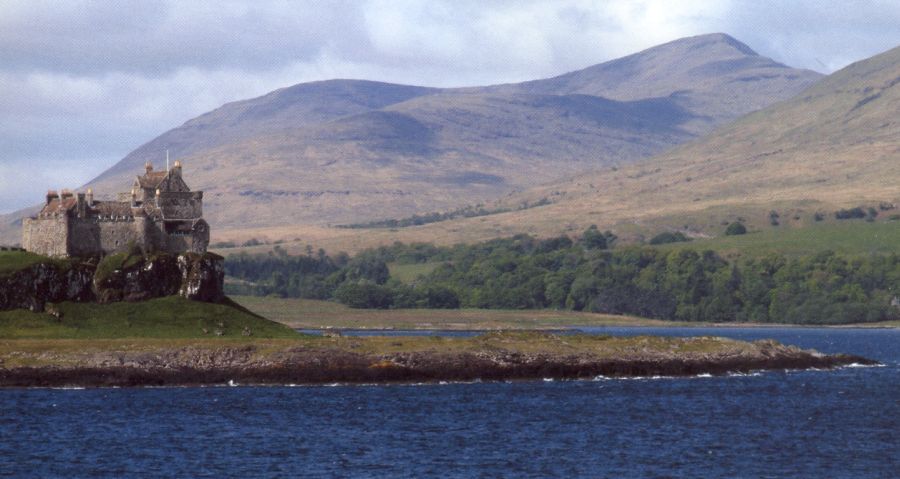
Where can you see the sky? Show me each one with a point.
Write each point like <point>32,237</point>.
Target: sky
<point>84,83</point>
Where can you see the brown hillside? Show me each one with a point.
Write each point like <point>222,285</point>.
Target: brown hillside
<point>345,151</point>
<point>835,145</point>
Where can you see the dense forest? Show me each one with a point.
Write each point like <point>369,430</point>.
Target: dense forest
<point>588,275</point>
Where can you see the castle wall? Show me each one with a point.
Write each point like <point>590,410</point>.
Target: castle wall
<point>178,243</point>
<point>46,236</point>
<point>115,235</point>
<point>84,237</point>
<point>182,205</point>
<point>173,221</point>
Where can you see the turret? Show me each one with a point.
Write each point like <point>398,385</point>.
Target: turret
<point>90,197</point>
<point>52,195</point>
<point>176,170</point>
<point>148,166</point>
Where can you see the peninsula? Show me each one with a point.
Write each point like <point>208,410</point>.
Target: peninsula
<point>324,360</point>
<point>125,294</point>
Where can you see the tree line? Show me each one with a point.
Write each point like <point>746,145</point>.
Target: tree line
<point>585,274</point>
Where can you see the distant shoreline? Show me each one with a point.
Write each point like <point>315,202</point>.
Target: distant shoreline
<point>576,327</point>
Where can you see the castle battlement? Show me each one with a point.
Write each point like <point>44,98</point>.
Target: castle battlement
<point>161,213</point>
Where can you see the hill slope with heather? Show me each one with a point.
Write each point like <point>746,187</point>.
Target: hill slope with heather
<point>834,146</point>
<point>345,151</point>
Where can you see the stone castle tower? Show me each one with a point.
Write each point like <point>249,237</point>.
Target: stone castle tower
<point>159,214</point>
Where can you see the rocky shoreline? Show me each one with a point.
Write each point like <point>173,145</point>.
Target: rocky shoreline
<point>245,365</point>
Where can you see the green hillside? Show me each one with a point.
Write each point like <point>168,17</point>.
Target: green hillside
<point>851,238</point>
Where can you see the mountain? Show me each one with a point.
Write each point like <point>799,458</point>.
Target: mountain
<point>344,151</point>
<point>834,146</point>
<point>715,77</point>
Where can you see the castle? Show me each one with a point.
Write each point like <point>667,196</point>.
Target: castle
<point>160,214</point>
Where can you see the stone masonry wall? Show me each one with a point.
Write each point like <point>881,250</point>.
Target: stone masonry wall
<point>46,236</point>
<point>116,235</point>
<point>85,238</point>
<point>180,205</point>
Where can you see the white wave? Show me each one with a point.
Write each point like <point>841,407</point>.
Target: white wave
<point>231,383</point>
<point>858,365</point>
<point>745,375</point>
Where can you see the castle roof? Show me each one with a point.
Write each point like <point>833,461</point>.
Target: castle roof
<point>111,208</point>
<point>152,179</point>
<point>68,203</point>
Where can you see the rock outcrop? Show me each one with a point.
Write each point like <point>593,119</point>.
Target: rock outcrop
<point>202,277</point>
<point>51,282</point>
<point>193,276</point>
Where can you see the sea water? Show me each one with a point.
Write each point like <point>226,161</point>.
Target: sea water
<point>815,424</point>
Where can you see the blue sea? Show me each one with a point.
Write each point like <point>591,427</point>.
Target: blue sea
<point>816,424</point>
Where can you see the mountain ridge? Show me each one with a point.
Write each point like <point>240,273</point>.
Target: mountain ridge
<point>834,146</point>
<point>340,151</point>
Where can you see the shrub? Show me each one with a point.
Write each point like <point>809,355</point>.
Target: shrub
<point>871,213</point>
<point>669,237</point>
<point>735,229</point>
<point>852,213</point>
<point>364,296</point>
<point>592,238</point>
<point>441,297</point>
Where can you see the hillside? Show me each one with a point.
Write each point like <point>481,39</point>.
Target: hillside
<point>834,146</point>
<point>344,151</point>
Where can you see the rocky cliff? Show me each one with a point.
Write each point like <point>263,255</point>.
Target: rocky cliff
<point>115,278</point>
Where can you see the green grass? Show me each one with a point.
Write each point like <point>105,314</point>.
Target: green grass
<point>849,237</point>
<point>313,314</point>
<point>12,261</point>
<point>169,317</point>
<point>408,273</point>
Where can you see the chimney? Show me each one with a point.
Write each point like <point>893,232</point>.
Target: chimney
<point>176,170</point>
<point>148,167</point>
<point>80,205</point>
<point>51,195</point>
<point>66,194</point>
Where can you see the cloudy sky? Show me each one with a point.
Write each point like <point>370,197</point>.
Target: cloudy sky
<point>84,83</point>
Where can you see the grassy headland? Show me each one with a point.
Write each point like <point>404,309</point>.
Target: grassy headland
<point>12,261</point>
<point>169,317</point>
